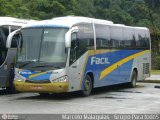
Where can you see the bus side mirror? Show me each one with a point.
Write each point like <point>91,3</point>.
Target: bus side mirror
<point>11,40</point>
<point>68,36</point>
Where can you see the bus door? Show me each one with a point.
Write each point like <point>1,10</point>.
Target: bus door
<point>74,72</point>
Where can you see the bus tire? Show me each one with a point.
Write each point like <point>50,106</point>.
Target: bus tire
<point>11,89</point>
<point>132,84</point>
<point>87,86</point>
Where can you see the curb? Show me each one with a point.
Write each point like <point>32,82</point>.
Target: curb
<point>150,81</point>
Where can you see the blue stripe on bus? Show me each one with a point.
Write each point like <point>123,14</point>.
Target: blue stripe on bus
<point>119,75</point>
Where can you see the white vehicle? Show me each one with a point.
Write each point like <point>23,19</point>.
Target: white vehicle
<point>8,25</point>
<point>68,54</point>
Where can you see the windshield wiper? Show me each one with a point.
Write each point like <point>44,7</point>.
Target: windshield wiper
<point>26,63</point>
<point>40,66</point>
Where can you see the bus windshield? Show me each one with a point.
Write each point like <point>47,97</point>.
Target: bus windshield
<point>45,47</point>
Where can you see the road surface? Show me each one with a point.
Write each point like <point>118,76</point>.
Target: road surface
<point>145,98</point>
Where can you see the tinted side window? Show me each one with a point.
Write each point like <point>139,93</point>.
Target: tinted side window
<point>74,48</point>
<point>147,41</point>
<point>85,37</point>
<point>142,39</point>
<point>102,36</point>
<point>3,50</point>
<point>116,36</point>
<point>1,38</point>
<point>1,43</point>
<point>5,31</point>
<point>129,38</point>
<point>81,41</point>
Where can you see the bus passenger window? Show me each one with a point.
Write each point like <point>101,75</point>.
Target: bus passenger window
<point>74,48</point>
<point>81,41</point>
<point>85,37</point>
<point>147,42</point>
<point>102,36</point>
<point>129,38</point>
<point>1,39</point>
<point>117,36</point>
<point>3,50</point>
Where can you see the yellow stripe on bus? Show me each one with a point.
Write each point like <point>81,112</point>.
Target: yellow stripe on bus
<point>91,53</point>
<point>119,63</point>
<point>35,75</point>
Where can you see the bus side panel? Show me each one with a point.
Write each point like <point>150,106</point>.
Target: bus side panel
<point>112,67</point>
<point>109,67</point>
<point>143,65</point>
<point>101,61</point>
<point>125,72</point>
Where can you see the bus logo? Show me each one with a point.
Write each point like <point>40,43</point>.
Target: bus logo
<point>25,72</point>
<point>99,61</point>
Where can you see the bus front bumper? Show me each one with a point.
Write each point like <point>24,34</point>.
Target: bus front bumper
<point>59,87</point>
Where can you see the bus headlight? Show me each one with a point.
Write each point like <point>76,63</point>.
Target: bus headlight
<point>18,78</point>
<point>61,79</point>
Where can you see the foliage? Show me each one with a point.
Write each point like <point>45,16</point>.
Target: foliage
<point>129,12</point>
<point>155,61</point>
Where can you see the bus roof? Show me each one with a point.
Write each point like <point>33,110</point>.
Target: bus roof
<point>129,27</point>
<point>68,21</point>
<point>142,28</point>
<point>14,21</point>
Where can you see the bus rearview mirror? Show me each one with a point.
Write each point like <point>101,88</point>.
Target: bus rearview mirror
<point>68,39</point>
<point>11,43</point>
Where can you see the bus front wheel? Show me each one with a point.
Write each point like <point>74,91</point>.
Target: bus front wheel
<point>11,89</point>
<point>133,79</point>
<point>87,86</point>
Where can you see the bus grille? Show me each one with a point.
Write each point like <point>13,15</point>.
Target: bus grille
<point>145,68</point>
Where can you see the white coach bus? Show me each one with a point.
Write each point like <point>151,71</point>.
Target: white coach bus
<point>8,25</point>
<point>72,53</point>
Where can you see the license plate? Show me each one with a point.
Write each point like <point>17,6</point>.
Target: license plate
<point>37,87</point>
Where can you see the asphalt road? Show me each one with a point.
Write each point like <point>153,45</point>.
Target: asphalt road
<point>145,98</point>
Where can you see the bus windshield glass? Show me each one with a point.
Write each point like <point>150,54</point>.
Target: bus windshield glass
<point>45,47</point>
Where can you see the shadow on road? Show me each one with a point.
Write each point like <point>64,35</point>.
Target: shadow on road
<point>75,95</point>
<point>5,92</point>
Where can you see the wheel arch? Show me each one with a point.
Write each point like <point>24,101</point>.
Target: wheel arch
<point>136,70</point>
<point>92,77</point>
